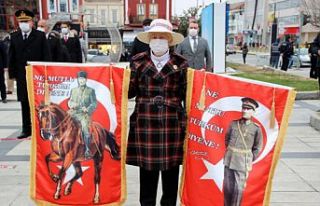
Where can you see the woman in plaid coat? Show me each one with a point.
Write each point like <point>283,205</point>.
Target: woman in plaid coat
<point>157,125</point>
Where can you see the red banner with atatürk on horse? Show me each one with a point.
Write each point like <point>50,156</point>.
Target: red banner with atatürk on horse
<point>79,115</point>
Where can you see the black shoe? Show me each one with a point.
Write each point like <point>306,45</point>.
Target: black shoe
<point>4,101</point>
<point>24,135</point>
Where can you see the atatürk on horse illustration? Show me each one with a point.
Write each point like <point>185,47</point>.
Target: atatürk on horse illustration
<point>68,145</point>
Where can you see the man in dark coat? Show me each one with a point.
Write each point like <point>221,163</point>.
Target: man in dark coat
<point>26,44</point>
<point>72,42</point>
<point>3,64</point>
<point>157,125</point>
<point>286,51</point>
<point>243,144</point>
<point>138,46</point>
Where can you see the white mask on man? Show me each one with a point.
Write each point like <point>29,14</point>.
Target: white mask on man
<point>193,32</point>
<point>64,30</point>
<point>159,46</point>
<point>24,26</point>
<point>40,29</point>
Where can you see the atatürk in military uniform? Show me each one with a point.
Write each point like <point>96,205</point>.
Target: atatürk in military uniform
<point>243,143</point>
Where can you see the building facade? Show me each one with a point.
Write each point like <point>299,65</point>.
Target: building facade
<point>138,10</point>
<point>236,23</point>
<point>43,9</point>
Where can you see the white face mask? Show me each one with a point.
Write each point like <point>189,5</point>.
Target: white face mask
<point>146,28</point>
<point>24,26</point>
<point>40,29</point>
<point>159,46</point>
<point>193,32</point>
<point>64,30</point>
<point>247,113</point>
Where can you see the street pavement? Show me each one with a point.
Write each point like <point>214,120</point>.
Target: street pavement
<point>253,59</point>
<point>296,181</point>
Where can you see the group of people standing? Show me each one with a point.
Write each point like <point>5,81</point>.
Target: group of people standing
<point>30,44</point>
<point>158,83</point>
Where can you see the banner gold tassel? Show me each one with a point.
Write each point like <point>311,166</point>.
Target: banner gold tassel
<point>202,99</point>
<point>46,87</point>
<point>272,113</point>
<point>113,98</point>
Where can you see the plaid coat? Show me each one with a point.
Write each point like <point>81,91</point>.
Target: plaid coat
<point>157,125</point>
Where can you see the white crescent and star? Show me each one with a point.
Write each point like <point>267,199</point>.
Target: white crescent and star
<point>215,172</point>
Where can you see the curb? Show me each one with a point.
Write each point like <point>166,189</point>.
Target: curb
<point>315,121</point>
<point>312,95</point>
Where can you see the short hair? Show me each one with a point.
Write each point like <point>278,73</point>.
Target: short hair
<point>146,22</point>
<point>66,23</point>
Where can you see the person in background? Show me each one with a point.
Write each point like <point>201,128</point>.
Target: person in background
<point>286,51</point>
<point>26,44</point>
<point>59,52</point>
<point>42,26</point>
<point>9,82</point>
<point>317,50</point>
<point>138,46</point>
<point>245,51</point>
<point>84,49</point>
<point>275,54</point>
<point>3,65</point>
<point>72,43</point>
<point>155,144</point>
<point>195,49</point>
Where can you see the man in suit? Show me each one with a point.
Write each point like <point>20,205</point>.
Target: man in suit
<point>286,51</point>
<point>195,49</point>
<point>82,104</point>
<point>243,144</point>
<point>26,44</point>
<point>72,42</point>
<point>3,64</point>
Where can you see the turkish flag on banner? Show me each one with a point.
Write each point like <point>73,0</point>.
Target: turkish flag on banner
<point>225,152</point>
<point>79,128</point>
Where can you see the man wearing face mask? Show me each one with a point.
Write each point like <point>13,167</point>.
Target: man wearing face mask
<point>157,125</point>
<point>42,26</point>
<point>26,44</point>
<point>243,143</point>
<point>138,46</point>
<point>72,42</point>
<point>195,49</point>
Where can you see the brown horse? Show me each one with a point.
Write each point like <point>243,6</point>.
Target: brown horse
<point>68,146</point>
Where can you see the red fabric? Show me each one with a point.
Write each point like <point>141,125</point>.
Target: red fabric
<point>204,169</point>
<point>61,80</point>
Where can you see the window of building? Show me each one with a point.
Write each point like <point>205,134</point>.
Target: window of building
<point>103,16</point>
<point>153,11</point>
<point>91,11</point>
<point>114,15</point>
<point>63,6</point>
<point>52,6</point>
<point>74,5</point>
<point>141,11</point>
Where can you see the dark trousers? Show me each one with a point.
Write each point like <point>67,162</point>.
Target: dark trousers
<point>2,85</point>
<point>244,56</point>
<point>274,61</point>
<point>285,63</point>
<point>149,184</point>
<point>26,120</point>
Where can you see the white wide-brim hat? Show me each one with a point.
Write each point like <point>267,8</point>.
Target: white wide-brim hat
<point>161,26</point>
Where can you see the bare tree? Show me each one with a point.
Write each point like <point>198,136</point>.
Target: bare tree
<point>312,9</point>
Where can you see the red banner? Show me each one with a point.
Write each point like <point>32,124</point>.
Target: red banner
<point>217,161</point>
<point>79,123</point>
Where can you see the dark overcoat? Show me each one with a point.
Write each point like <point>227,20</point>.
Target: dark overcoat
<point>74,48</point>
<point>35,48</point>
<point>157,125</point>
